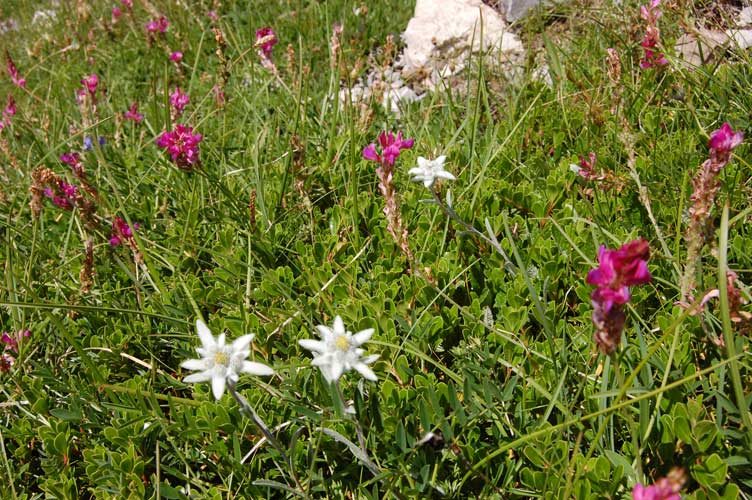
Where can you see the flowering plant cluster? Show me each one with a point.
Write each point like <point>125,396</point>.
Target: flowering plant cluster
<point>13,72</point>
<point>11,343</point>
<point>182,144</point>
<point>618,270</point>
<point>706,186</point>
<point>652,39</point>
<point>178,101</point>
<point>122,232</point>
<point>8,112</point>
<point>336,353</point>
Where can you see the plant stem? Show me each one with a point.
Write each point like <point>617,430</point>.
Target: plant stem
<point>247,410</point>
<point>495,244</point>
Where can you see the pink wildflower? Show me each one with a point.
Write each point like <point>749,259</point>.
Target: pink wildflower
<point>74,161</point>
<point>617,271</point>
<point>64,196</point>
<point>176,57</point>
<point>133,114</point>
<point>390,148</point>
<point>722,141</point>
<point>157,25</point>
<point>121,231</point>
<point>666,488</point>
<point>652,37</point>
<point>179,101</point>
<point>14,75</point>
<point>212,15</point>
<point>10,110</point>
<point>182,144</point>
<point>91,82</point>
<point>266,38</point>
<point>128,4</point>
<point>6,362</point>
<point>219,95</point>
<point>116,13</point>
<point>11,342</point>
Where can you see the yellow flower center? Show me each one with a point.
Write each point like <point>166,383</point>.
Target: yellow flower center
<point>342,343</point>
<point>221,358</point>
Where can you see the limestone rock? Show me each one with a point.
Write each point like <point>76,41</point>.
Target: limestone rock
<point>442,32</point>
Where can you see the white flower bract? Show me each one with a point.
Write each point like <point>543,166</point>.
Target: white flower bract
<point>220,362</point>
<point>339,351</point>
<point>428,171</point>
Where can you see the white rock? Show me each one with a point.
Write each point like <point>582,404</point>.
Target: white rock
<point>702,47</point>
<point>441,33</point>
<point>745,17</point>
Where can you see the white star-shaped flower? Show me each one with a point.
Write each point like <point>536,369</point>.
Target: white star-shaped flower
<point>220,362</point>
<point>428,171</point>
<point>339,351</point>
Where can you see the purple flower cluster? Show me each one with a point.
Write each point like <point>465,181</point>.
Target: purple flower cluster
<point>13,71</point>
<point>121,232</point>
<point>182,144</point>
<point>652,38</point>
<point>157,25</point>
<point>90,83</point>
<point>64,195</point>
<point>179,101</point>
<point>722,141</point>
<point>10,110</point>
<point>133,114</point>
<point>391,146</point>
<point>266,39</point>
<point>11,343</point>
<point>617,271</point>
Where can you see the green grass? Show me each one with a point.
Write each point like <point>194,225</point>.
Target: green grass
<point>502,365</point>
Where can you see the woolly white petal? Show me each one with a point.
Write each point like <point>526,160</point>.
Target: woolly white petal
<point>339,326</point>
<point>336,370</point>
<point>325,331</point>
<point>195,364</point>
<point>221,340</point>
<point>440,161</point>
<point>362,337</point>
<point>254,368</point>
<point>370,359</point>
<point>366,372</point>
<point>243,343</point>
<point>204,334</point>
<point>445,175</point>
<point>218,386</point>
<point>195,378</point>
<point>423,163</point>
<point>415,171</point>
<point>312,345</point>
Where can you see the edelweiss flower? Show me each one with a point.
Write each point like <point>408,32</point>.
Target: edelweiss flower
<point>428,171</point>
<point>220,362</point>
<point>339,351</point>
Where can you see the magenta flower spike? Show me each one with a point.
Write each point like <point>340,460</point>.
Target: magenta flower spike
<point>12,341</point>
<point>90,82</point>
<point>157,25</point>
<point>179,101</point>
<point>116,13</point>
<point>266,39</point>
<point>182,144</point>
<point>176,57</point>
<point>391,146</point>
<point>128,4</point>
<point>13,71</point>
<point>121,232</point>
<point>133,114</point>
<point>617,270</point>
<point>722,141</point>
